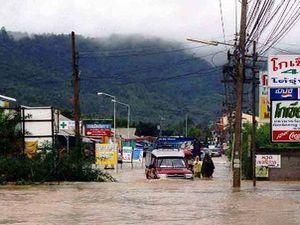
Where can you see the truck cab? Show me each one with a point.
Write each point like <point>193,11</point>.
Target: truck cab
<point>167,163</point>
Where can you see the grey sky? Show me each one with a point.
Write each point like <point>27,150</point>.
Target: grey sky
<point>176,19</point>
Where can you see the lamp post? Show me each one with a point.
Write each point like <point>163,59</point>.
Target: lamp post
<point>114,101</point>
<point>128,114</point>
<point>8,98</point>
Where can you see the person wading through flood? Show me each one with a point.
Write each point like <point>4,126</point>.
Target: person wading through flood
<point>208,167</point>
<point>197,167</point>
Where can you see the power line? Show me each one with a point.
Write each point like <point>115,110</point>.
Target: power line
<point>222,20</point>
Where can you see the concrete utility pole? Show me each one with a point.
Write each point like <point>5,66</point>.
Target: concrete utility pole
<point>75,76</point>
<point>254,71</point>
<point>240,76</point>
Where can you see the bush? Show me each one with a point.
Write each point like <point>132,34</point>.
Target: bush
<point>45,167</point>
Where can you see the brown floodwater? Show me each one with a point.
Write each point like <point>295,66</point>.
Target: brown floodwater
<point>135,200</point>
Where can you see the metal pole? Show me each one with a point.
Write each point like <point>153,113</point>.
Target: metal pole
<point>186,124</point>
<point>128,121</point>
<point>114,119</point>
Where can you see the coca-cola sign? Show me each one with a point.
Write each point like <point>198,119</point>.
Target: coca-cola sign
<point>286,136</point>
<point>285,123</point>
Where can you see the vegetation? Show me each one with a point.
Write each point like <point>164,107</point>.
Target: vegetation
<point>47,165</point>
<point>157,78</point>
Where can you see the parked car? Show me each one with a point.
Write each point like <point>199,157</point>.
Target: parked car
<point>167,163</point>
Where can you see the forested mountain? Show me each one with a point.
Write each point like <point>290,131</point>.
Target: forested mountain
<point>158,78</point>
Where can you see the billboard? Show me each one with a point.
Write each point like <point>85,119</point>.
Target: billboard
<point>284,93</point>
<point>284,70</point>
<point>106,154</point>
<point>285,121</point>
<point>137,155</point>
<point>95,130</point>
<point>127,154</point>
<point>264,102</point>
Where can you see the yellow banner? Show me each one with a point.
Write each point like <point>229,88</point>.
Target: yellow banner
<point>30,148</point>
<point>106,154</point>
<point>264,109</point>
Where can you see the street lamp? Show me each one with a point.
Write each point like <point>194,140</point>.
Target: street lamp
<point>114,98</point>
<point>214,43</point>
<point>128,115</point>
<point>8,98</point>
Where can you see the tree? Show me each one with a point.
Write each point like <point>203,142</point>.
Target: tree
<point>10,132</point>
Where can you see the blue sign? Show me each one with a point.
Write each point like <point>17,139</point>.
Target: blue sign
<point>284,94</point>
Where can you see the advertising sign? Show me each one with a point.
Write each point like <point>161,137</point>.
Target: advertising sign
<point>97,129</point>
<point>285,121</point>
<point>264,103</point>
<point>137,155</point>
<point>284,70</point>
<point>67,125</point>
<point>284,93</point>
<point>271,161</point>
<point>262,171</point>
<point>127,154</point>
<point>106,154</point>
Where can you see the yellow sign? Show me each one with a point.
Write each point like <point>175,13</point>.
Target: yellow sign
<point>264,109</point>
<point>106,154</point>
<point>262,171</point>
<point>4,104</point>
<point>30,148</point>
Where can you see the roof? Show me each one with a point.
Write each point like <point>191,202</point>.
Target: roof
<point>167,153</point>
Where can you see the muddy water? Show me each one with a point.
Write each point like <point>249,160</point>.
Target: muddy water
<point>135,200</point>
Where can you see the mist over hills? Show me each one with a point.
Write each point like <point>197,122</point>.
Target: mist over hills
<point>160,79</point>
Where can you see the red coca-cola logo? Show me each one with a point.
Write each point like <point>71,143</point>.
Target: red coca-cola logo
<point>294,136</point>
<point>286,136</point>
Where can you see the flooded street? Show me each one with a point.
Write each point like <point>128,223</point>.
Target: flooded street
<point>135,200</point>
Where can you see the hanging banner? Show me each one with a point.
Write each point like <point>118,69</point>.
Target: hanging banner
<point>106,154</point>
<point>285,125</point>
<point>264,103</point>
<point>284,70</point>
<point>127,154</point>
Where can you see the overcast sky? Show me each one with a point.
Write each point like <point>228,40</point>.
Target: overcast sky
<point>175,19</point>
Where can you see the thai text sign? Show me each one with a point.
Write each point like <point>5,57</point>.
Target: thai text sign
<point>271,161</point>
<point>98,130</point>
<point>285,125</point>
<point>284,70</point>
<point>106,154</point>
<point>284,93</point>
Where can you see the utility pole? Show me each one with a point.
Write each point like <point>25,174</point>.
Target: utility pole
<point>240,75</point>
<point>75,76</point>
<point>253,112</point>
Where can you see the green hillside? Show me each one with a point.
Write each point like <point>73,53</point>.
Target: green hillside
<point>158,78</point>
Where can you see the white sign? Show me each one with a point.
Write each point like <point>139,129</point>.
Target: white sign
<point>67,125</point>
<point>271,161</point>
<point>284,70</point>
<point>285,121</point>
<point>127,154</point>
